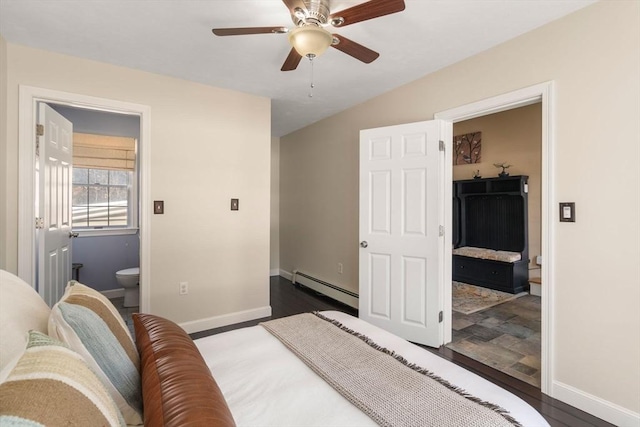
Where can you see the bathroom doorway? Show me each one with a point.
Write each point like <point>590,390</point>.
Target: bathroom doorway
<point>126,228</point>
<point>104,195</point>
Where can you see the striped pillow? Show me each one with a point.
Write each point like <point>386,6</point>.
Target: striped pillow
<point>74,321</point>
<point>52,385</point>
<point>79,294</point>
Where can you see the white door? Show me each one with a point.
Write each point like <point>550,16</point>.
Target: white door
<point>405,199</point>
<point>54,166</point>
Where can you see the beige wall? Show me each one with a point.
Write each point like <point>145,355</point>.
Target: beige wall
<point>4,246</point>
<point>202,155</point>
<point>514,137</point>
<point>275,206</point>
<point>593,58</point>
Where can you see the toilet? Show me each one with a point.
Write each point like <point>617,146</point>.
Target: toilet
<point>129,279</point>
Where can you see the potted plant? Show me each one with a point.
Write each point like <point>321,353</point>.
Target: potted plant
<point>504,167</point>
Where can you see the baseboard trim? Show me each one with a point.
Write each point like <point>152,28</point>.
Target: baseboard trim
<point>274,272</point>
<point>287,275</point>
<point>596,406</point>
<point>332,291</point>
<point>225,319</point>
<point>113,293</point>
<point>318,287</point>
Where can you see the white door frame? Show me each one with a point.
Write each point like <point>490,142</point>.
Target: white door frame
<point>543,93</point>
<point>29,96</point>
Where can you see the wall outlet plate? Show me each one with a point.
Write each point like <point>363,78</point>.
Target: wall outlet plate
<point>158,207</point>
<point>235,204</point>
<point>183,288</point>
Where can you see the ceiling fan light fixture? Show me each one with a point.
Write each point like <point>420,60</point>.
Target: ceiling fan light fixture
<point>310,40</point>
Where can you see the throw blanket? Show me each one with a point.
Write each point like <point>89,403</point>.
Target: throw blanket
<point>379,382</point>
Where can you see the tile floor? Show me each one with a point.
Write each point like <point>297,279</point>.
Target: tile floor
<point>505,337</point>
<point>125,312</point>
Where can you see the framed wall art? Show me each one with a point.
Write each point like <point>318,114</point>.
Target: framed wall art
<point>467,148</point>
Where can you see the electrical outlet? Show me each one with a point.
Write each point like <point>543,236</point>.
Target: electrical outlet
<point>184,288</point>
<point>339,268</point>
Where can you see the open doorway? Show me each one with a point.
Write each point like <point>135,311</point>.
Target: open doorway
<point>542,93</point>
<point>496,317</point>
<point>104,204</point>
<point>30,100</point>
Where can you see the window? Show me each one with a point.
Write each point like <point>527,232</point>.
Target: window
<point>101,198</point>
<point>104,183</point>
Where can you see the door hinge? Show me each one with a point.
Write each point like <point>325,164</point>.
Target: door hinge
<point>39,223</point>
<point>440,317</point>
<point>39,133</point>
<point>441,146</point>
<point>441,230</point>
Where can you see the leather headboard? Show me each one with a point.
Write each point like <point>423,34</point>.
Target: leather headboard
<point>177,386</point>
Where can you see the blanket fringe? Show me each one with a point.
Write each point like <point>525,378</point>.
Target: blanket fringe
<point>498,409</point>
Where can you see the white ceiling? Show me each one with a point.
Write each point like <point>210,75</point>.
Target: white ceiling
<point>173,37</point>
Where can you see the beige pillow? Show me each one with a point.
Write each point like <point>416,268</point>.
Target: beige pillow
<point>21,310</point>
<point>52,385</point>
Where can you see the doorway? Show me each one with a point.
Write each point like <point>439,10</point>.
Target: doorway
<point>104,201</point>
<point>30,97</point>
<point>541,93</point>
<point>495,319</point>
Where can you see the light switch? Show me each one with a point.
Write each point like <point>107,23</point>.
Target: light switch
<point>158,207</point>
<point>567,212</point>
<point>235,204</point>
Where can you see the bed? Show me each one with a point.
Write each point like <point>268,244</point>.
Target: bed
<point>245,377</point>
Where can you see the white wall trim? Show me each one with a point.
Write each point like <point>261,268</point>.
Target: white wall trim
<point>446,263</point>
<point>325,288</point>
<point>543,92</point>
<point>274,272</point>
<point>225,319</point>
<point>29,96</point>
<point>286,274</point>
<point>594,405</point>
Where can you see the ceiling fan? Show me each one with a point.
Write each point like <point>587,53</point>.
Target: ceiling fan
<point>310,39</point>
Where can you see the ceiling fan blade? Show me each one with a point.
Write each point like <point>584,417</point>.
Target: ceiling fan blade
<point>368,10</point>
<point>356,50</point>
<point>292,61</point>
<point>248,30</point>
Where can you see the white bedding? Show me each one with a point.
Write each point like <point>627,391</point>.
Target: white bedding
<point>267,385</point>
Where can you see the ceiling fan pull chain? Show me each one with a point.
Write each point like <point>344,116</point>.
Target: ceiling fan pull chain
<point>312,85</point>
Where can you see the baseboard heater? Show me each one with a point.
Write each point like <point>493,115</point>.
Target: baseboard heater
<point>332,291</point>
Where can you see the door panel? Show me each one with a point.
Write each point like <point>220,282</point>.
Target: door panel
<point>380,285</point>
<point>414,273</point>
<point>414,202</point>
<point>381,202</point>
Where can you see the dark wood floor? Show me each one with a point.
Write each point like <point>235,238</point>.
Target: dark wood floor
<point>287,300</point>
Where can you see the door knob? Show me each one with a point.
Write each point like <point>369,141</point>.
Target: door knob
<point>73,235</point>
<point>364,244</point>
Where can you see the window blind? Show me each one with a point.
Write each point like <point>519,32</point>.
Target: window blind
<point>104,152</point>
